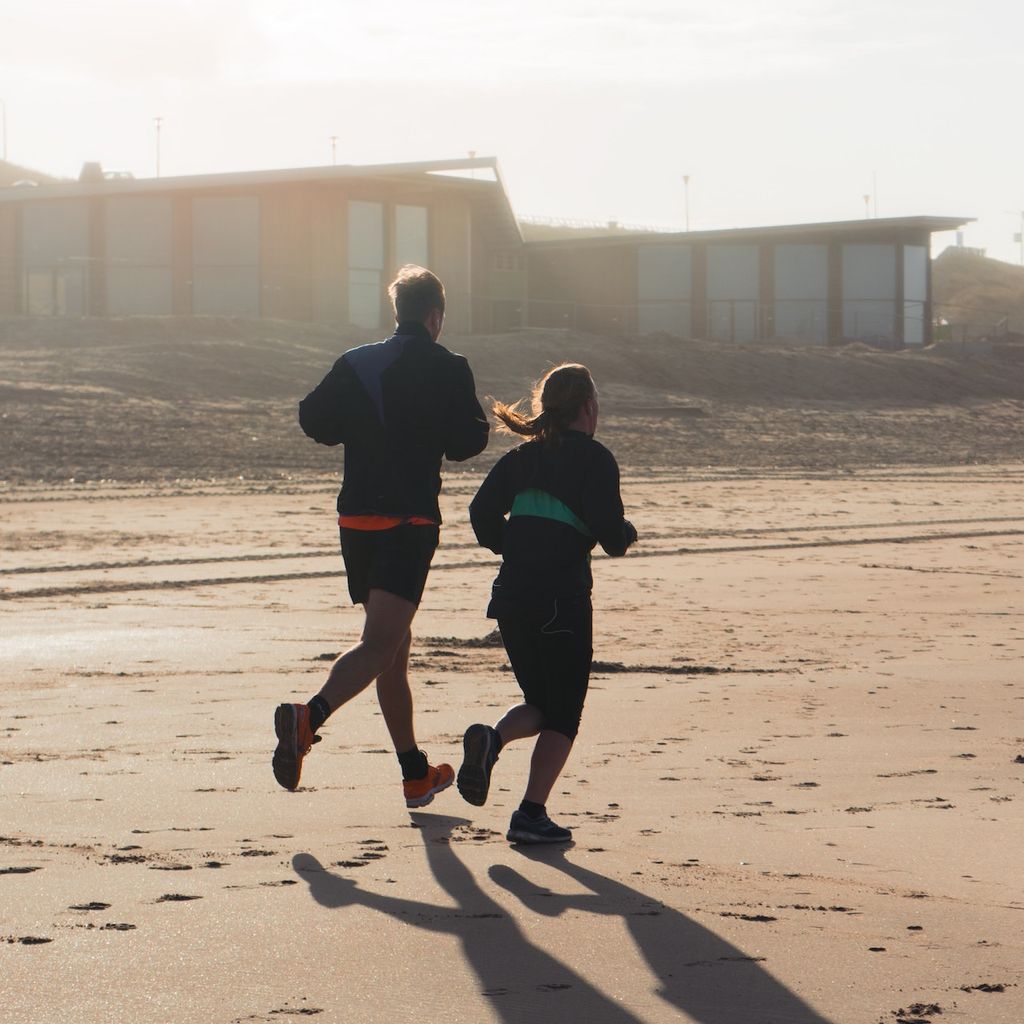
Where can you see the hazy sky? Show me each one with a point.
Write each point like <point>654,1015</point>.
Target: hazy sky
<point>780,111</point>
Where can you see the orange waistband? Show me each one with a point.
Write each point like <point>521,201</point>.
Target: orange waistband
<point>376,522</point>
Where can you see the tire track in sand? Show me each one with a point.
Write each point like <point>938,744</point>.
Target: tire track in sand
<point>143,585</point>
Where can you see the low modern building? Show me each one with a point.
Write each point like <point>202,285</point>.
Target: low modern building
<point>313,244</point>
<point>866,280</point>
<point>320,243</point>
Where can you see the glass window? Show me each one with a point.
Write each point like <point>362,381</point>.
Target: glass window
<point>411,244</point>
<point>733,272</point>
<point>54,233</point>
<point>915,273</point>
<point>915,293</point>
<point>664,317</point>
<point>366,235</point>
<point>869,292</point>
<point>138,256</point>
<point>801,292</point>
<point>365,262</point>
<point>364,298</point>
<point>733,292</point>
<point>664,273</point>
<point>226,256</point>
<point>226,232</point>
<point>55,256</point>
<point>869,272</point>
<point>801,272</point>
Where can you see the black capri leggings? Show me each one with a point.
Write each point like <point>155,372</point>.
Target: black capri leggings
<point>551,649</point>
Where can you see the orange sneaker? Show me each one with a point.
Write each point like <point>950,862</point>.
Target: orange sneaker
<point>294,739</point>
<point>419,792</point>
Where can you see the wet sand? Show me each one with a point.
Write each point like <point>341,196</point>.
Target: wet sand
<point>796,796</point>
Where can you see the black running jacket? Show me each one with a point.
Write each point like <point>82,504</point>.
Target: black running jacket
<point>543,508</point>
<point>398,406</point>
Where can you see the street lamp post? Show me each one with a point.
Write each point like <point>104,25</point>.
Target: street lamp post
<point>3,110</point>
<point>158,121</point>
<point>334,150</point>
<point>686,199</point>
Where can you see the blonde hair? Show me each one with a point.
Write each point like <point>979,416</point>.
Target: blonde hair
<point>556,400</point>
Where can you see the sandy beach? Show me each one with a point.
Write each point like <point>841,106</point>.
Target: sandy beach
<point>796,796</point>
<point>786,243</point>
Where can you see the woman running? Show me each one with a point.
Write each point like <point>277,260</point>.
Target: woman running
<point>560,494</point>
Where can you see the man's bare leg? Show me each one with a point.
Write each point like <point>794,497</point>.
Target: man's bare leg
<point>382,653</point>
<point>395,698</point>
<point>385,634</point>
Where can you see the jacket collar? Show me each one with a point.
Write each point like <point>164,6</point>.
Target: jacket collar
<point>412,329</point>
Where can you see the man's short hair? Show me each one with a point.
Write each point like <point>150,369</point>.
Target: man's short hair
<point>414,292</point>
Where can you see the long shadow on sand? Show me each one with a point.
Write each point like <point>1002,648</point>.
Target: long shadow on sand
<point>700,974</point>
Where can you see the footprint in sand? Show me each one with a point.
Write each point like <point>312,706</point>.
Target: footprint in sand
<point>471,833</point>
<point>125,858</point>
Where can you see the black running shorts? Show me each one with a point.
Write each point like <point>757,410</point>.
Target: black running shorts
<point>395,560</point>
<point>551,648</point>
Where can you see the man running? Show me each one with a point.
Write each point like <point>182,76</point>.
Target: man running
<point>398,406</point>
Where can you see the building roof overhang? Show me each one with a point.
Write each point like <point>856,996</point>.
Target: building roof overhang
<point>487,190</point>
<point>866,228</point>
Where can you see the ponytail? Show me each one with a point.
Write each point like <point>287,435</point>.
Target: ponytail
<point>557,399</point>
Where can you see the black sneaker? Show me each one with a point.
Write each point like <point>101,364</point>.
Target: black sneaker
<point>523,829</point>
<point>480,751</point>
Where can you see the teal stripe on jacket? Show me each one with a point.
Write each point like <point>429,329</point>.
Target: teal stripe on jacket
<point>542,505</point>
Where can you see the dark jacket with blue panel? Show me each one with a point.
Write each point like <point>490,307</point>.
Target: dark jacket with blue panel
<point>398,406</point>
<point>561,498</point>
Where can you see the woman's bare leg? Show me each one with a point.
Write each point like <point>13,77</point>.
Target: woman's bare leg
<point>550,753</point>
<point>519,723</point>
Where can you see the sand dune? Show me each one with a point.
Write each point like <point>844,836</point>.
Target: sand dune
<point>164,398</point>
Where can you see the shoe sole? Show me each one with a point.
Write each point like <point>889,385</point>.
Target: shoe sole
<point>474,779</point>
<point>531,837</point>
<point>422,801</point>
<point>287,765</point>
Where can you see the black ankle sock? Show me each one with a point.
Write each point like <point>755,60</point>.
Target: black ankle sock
<point>532,810</point>
<point>319,712</point>
<point>414,764</point>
